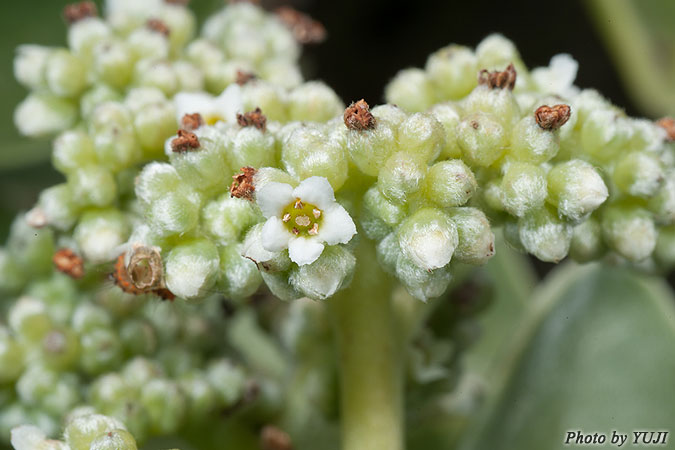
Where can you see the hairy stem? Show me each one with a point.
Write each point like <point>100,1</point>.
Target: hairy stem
<point>370,359</point>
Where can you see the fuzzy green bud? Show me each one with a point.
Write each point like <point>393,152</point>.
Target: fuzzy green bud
<point>325,276</point>
<point>100,232</point>
<point>576,189</point>
<point>449,116</point>
<point>380,213</point>
<point>452,70</point>
<point>12,356</point>
<point>251,147</point>
<point>65,74</point>
<point>226,218</point>
<point>43,114</point>
<point>481,138</point>
<point>113,64</point>
<point>663,203</point>
<point>450,183</point>
<point>192,268</point>
<point>638,174</point>
<point>227,379</point>
<point>111,126</point>
<point>428,238</point>
<point>401,176</point>
<point>587,244</point>
<point>239,276</point>
<point>81,431</point>
<point>421,283</point>
<point>166,404</point>
<point>92,185</point>
<point>543,234</point>
<point>500,103</point>
<point>476,240</point>
<point>531,143</point>
<point>370,148</point>
<point>101,351</point>
<point>523,188</point>
<point>73,149</point>
<point>28,318</point>
<point>30,63</point>
<point>154,123</point>
<point>114,440</point>
<point>314,101</point>
<point>421,135</point>
<point>411,89</point>
<point>630,231</point>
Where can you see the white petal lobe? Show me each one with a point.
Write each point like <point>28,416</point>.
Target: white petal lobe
<point>274,236</point>
<point>304,251</point>
<point>337,226</point>
<point>273,197</point>
<point>316,190</point>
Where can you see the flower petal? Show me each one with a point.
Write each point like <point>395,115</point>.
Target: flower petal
<point>304,250</point>
<point>337,226</point>
<point>194,102</point>
<point>275,236</point>
<point>316,190</point>
<point>229,103</point>
<point>273,197</point>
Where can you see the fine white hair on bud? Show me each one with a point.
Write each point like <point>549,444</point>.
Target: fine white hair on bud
<point>428,238</point>
<point>192,268</point>
<point>576,188</point>
<point>30,64</point>
<point>638,174</point>
<point>328,274</point>
<point>43,114</point>
<point>543,234</point>
<point>476,240</point>
<point>411,90</point>
<point>523,188</point>
<point>629,231</point>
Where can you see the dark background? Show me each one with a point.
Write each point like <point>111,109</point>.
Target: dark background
<point>368,43</point>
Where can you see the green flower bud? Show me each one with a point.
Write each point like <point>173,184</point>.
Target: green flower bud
<point>31,248</point>
<point>59,295</point>
<point>73,149</point>
<point>411,89</point>
<point>630,231</point>
<point>239,276</point>
<point>227,379</point>
<point>114,140</point>
<point>101,351</point>
<point>268,261</point>
<point>266,96</point>
<point>60,349</point>
<point>638,174</point>
<point>226,218</point>
<point>532,144</point>
<point>421,283</point>
<point>523,188</point>
<point>109,389</point>
<point>544,235</point>
<point>421,135</point>
<point>12,356</point>
<point>97,95</point>
<point>496,52</point>
<point>370,148</point>
<point>587,244</point>
<point>88,317</point>
<point>203,53</point>
<point>401,176</point>
<point>190,78</point>
<point>28,318</point>
<point>30,64</point>
<point>476,240</point>
<point>158,74</point>
<point>663,203</point>
<point>307,152</point>
<point>278,284</point>
<point>145,43</point>
<point>576,189</point>
<point>251,147</point>
<point>83,430</point>
<point>450,183</point>
<point>154,123</point>
<point>383,209</point>
<point>58,207</point>
<point>481,138</point>
<point>113,63</point>
<point>165,403</point>
<point>219,76</point>
<point>181,22</point>
<point>138,337</point>
<point>85,34</point>
<point>449,116</point>
<point>100,233</point>
<point>604,133</point>
<point>65,74</point>
<point>452,70</point>
<point>92,185</point>
<point>35,384</point>
<point>428,238</point>
<point>665,248</point>
<point>62,395</point>
<point>12,276</point>
<point>325,276</point>
<point>500,103</point>
<point>43,114</point>
<point>200,394</point>
<point>139,371</point>
<point>192,268</point>
<point>114,440</point>
<point>314,101</point>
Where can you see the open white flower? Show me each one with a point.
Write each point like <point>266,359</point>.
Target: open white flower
<point>558,78</point>
<point>303,219</point>
<point>212,109</point>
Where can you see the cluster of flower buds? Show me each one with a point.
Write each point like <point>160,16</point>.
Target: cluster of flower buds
<point>561,169</point>
<point>147,44</point>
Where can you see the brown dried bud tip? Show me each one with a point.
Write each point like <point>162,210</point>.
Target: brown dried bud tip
<point>244,77</point>
<point>191,122</point>
<point>552,117</point>
<point>273,438</point>
<point>67,261</point>
<point>77,11</point>
<point>242,186</point>
<point>357,116</point>
<point>253,118</point>
<point>185,142</point>
<point>144,274</point>
<point>305,29</point>
<point>668,124</point>
<point>158,26</point>
<point>498,80</point>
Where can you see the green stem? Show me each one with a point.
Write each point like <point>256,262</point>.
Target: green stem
<point>370,359</point>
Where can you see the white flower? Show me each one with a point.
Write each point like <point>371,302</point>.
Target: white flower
<point>212,109</point>
<point>141,9</point>
<point>303,219</point>
<point>558,78</point>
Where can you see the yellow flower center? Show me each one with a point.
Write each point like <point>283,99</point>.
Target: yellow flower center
<point>302,219</point>
<point>212,119</point>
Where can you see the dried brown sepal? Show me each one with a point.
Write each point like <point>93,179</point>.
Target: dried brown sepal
<point>668,124</point>
<point>186,141</point>
<point>77,11</point>
<point>357,116</point>
<point>244,77</point>
<point>191,122</point>
<point>305,29</point>
<point>143,274</point>
<point>274,438</point>
<point>67,261</point>
<point>158,26</point>
<point>505,79</point>
<point>242,186</point>
<point>253,118</point>
<point>552,117</point>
